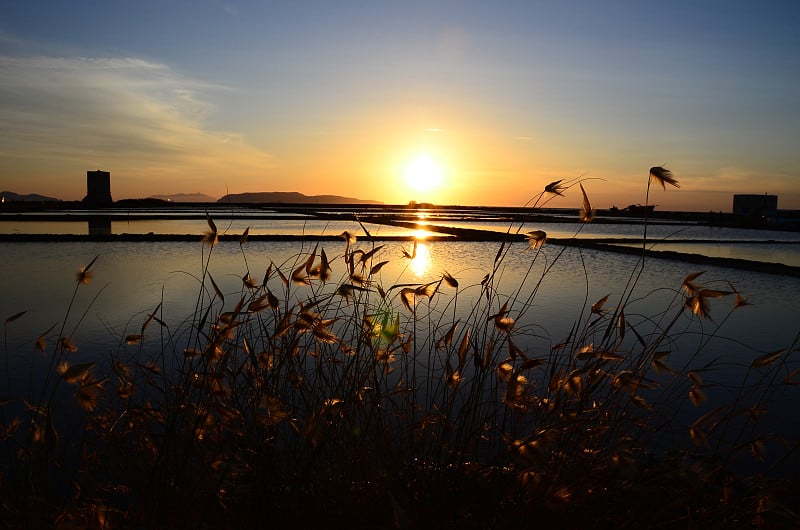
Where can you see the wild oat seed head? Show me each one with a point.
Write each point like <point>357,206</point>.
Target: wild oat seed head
<point>67,344</point>
<point>587,212</point>
<point>536,238</point>
<point>690,285</point>
<point>348,237</point>
<point>555,187</point>
<point>210,238</point>
<point>211,225</point>
<point>84,276</point>
<point>663,176</point>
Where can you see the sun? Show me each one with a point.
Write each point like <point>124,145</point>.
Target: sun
<point>423,173</point>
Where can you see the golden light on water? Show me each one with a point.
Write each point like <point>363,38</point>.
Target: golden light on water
<point>421,262</point>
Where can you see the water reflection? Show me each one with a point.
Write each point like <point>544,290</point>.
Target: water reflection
<point>134,225</point>
<point>99,225</point>
<point>140,276</point>
<point>421,262</point>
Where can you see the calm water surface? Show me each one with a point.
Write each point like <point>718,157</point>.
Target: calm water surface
<point>134,225</point>
<point>131,279</point>
<point>750,244</point>
<point>550,292</point>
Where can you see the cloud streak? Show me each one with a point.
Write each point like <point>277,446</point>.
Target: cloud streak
<point>129,115</point>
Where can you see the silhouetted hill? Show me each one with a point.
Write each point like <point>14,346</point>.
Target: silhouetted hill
<point>10,196</point>
<point>185,197</point>
<point>150,202</point>
<point>291,197</point>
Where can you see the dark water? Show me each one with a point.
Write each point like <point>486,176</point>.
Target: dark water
<point>548,291</point>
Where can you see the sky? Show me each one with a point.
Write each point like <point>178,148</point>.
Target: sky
<point>452,102</point>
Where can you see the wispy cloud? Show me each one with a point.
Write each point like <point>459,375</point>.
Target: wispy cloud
<point>128,114</point>
<point>226,6</point>
<point>8,39</point>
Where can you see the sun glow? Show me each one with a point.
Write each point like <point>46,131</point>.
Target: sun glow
<point>423,173</point>
<point>421,262</point>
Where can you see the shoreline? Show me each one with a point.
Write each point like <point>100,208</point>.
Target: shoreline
<point>784,220</point>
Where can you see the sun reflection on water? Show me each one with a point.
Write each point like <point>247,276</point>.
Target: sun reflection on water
<point>421,262</point>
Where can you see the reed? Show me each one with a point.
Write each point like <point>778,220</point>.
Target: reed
<point>319,392</point>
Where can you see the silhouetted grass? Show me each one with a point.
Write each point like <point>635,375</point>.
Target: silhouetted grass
<point>320,394</point>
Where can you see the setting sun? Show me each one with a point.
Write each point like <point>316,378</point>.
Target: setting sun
<point>423,173</point>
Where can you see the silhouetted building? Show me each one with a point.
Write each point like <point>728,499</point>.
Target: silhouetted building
<point>755,205</point>
<point>98,188</point>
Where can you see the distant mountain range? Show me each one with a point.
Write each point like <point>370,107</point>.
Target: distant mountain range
<point>185,197</point>
<point>291,197</point>
<point>10,196</point>
<point>268,197</point>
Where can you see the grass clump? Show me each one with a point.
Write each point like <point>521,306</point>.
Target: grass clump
<point>319,393</point>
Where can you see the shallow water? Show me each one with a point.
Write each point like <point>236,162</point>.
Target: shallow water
<point>769,252</point>
<point>136,225</point>
<point>549,292</point>
<point>130,279</point>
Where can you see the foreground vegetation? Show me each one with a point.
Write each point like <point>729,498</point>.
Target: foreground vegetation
<point>320,395</point>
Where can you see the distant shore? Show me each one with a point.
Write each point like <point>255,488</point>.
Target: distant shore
<point>788,220</point>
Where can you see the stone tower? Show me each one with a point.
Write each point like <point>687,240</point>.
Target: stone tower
<point>98,188</point>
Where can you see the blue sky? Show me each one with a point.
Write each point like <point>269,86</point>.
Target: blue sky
<point>336,97</point>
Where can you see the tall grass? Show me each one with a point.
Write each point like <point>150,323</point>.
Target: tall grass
<point>319,392</point>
